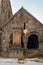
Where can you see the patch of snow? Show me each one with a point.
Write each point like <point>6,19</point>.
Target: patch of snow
<point>14,61</point>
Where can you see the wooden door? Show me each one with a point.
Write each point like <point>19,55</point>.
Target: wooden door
<point>17,33</point>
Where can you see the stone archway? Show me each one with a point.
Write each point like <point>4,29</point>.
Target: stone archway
<point>33,42</point>
<point>11,41</point>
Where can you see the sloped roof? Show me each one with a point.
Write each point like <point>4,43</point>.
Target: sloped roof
<point>22,10</point>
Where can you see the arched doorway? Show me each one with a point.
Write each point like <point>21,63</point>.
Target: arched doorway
<point>33,42</point>
<point>11,41</point>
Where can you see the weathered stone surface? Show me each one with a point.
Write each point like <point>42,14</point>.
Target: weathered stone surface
<point>32,25</point>
<point>5,11</point>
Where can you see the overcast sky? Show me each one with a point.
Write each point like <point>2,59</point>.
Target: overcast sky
<point>35,7</point>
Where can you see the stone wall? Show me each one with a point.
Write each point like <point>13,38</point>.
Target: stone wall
<point>32,26</point>
<point>5,11</point>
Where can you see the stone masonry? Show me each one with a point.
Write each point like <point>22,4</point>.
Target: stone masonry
<point>23,20</point>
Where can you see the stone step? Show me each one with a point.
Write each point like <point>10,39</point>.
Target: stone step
<point>31,53</point>
<point>21,61</point>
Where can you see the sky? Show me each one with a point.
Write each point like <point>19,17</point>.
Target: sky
<point>35,7</point>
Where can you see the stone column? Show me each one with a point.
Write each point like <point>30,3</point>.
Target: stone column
<point>25,42</point>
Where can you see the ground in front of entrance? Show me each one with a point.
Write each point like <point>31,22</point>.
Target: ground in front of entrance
<point>14,61</point>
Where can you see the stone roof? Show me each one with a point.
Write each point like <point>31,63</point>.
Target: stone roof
<point>22,10</point>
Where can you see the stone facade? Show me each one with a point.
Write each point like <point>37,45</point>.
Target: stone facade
<point>30,27</point>
<point>5,11</point>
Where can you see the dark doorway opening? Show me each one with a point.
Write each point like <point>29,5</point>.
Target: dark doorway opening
<point>11,40</point>
<point>33,42</point>
<point>22,43</point>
